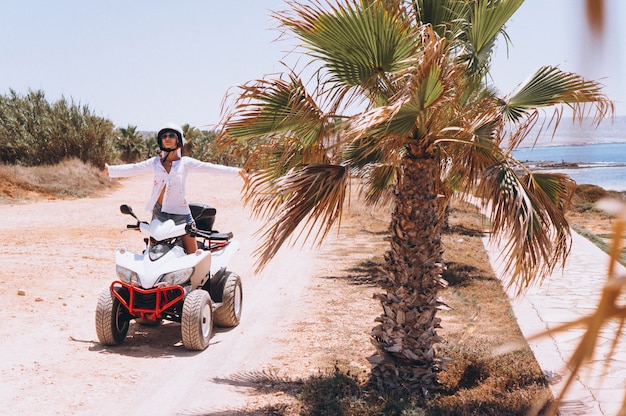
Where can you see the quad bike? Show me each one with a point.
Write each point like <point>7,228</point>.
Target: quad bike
<point>164,283</point>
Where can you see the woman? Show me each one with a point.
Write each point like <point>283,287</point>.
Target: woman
<point>168,199</point>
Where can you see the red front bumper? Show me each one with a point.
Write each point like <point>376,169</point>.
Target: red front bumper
<point>147,303</point>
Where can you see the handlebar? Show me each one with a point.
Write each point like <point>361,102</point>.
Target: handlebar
<point>135,226</point>
<point>192,230</point>
<point>195,232</point>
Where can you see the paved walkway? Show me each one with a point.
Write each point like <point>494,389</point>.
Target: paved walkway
<point>572,292</point>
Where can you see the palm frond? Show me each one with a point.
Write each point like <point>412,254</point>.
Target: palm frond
<point>311,198</point>
<point>363,151</point>
<point>275,106</point>
<point>445,16</point>
<point>423,86</point>
<point>524,127</point>
<point>357,44</point>
<point>550,86</point>
<point>282,118</point>
<point>527,213</point>
<point>470,148</point>
<point>379,180</point>
<point>487,19</point>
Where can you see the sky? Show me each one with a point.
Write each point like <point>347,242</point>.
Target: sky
<point>555,32</point>
<point>147,63</point>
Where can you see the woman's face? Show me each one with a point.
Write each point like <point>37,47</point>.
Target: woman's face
<point>169,140</point>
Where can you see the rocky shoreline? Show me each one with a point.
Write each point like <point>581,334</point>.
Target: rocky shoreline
<point>571,165</point>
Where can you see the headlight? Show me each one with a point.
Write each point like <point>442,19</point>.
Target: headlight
<point>126,275</point>
<point>175,278</point>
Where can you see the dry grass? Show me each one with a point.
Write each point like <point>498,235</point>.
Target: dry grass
<point>479,381</point>
<point>69,179</point>
<point>597,225</point>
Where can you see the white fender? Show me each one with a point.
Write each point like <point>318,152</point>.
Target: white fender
<point>149,271</point>
<point>162,230</point>
<point>220,258</point>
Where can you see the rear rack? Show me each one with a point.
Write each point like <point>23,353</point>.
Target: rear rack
<point>213,240</point>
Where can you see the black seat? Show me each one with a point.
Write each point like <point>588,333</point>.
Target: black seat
<point>203,215</point>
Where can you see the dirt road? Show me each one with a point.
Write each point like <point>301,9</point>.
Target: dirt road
<point>57,256</point>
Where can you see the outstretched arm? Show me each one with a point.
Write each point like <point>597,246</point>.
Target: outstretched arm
<point>197,165</point>
<point>129,169</point>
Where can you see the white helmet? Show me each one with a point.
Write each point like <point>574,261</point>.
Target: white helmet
<point>180,141</point>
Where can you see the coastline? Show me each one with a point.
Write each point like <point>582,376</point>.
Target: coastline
<point>607,176</point>
<point>598,163</point>
<point>559,141</point>
<point>547,165</point>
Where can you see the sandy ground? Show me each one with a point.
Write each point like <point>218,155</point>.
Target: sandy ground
<point>56,257</point>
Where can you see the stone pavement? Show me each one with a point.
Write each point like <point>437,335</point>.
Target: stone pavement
<point>570,293</point>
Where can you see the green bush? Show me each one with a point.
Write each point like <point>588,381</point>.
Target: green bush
<point>35,132</point>
<point>202,146</point>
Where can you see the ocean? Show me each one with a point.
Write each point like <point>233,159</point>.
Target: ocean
<point>599,151</point>
<point>602,164</point>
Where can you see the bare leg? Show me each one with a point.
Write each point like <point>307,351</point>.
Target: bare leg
<point>190,244</point>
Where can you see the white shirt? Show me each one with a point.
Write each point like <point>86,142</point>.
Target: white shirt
<point>174,198</point>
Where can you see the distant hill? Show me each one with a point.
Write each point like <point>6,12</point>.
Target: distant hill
<point>570,133</point>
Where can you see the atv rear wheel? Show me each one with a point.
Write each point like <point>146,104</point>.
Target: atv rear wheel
<point>197,320</point>
<point>228,314</point>
<point>112,320</point>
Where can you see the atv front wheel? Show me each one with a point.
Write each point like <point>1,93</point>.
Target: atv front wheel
<point>112,320</point>
<point>197,320</point>
<point>228,314</point>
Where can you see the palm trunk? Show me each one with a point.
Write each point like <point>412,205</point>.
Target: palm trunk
<point>405,361</point>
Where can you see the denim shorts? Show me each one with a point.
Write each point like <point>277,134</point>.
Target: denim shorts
<point>177,218</point>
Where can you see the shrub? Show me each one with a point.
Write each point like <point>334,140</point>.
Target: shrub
<point>587,193</point>
<point>203,146</point>
<point>36,132</point>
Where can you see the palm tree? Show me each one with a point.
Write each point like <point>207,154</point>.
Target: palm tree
<point>192,135</point>
<point>130,143</point>
<point>401,102</point>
